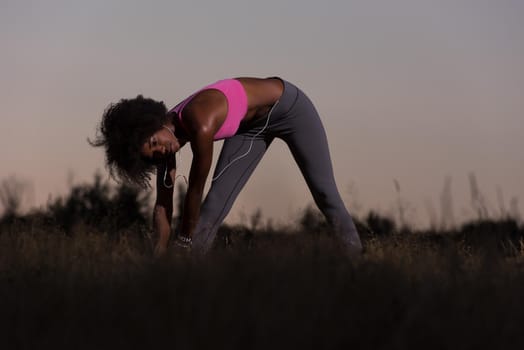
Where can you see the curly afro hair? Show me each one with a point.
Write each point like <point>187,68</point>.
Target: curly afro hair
<point>124,128</point>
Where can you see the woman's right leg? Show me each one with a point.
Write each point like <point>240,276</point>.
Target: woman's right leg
<point>227,185</point>
<point>304,133</point>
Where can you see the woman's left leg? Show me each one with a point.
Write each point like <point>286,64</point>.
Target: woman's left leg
<point>231,176</point>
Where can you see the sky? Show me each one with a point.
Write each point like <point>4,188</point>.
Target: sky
<point>410,92</point>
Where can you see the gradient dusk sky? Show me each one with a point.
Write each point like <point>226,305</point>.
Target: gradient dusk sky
<point>408,90</point>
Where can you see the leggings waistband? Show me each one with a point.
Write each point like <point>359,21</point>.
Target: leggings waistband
<point>288,98</point>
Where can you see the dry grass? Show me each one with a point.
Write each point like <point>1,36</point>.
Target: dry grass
<point>293,291</point>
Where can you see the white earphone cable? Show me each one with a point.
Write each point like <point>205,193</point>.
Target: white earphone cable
<point>250,146</point>
<point>234,160</point>
<point>165,172</point>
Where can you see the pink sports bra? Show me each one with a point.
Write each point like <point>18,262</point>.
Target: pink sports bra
<point>237,106</point>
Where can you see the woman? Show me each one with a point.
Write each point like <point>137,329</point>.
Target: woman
<point>140,134</point>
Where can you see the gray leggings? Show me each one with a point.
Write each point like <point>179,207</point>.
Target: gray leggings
<point>296,121</point>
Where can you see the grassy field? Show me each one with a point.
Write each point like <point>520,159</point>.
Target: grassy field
<point>91,290</point>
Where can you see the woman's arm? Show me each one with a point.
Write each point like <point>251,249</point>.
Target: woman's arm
<point>163,211</point>
<point>202,117</point>
<point>202,147</point>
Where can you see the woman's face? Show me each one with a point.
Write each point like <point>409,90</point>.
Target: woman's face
<point>161,145</point>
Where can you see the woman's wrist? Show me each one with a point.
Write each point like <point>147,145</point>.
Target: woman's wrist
<point>184,241</point>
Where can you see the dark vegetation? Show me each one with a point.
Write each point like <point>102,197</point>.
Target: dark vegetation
<point>79,274</point>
